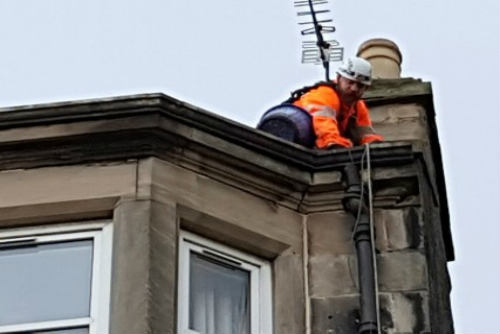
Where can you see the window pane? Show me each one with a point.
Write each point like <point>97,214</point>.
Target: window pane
<point>78,330</point>
<point>219,297</point>
<point>45,282</point>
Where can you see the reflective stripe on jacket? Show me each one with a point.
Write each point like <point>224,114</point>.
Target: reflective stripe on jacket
<point>334,123</point>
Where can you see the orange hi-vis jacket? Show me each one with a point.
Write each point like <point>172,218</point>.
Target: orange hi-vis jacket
<point>333,121</point>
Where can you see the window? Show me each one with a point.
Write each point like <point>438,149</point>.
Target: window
<point>56,279</point>
<point>222,290</point>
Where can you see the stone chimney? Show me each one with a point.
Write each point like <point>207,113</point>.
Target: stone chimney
<point>385,57</point>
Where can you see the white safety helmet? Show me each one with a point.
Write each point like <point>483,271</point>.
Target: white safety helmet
<point>357,69</point>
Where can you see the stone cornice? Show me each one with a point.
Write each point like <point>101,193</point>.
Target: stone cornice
<point>132,121</point>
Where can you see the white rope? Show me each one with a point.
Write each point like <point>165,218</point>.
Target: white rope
<point>372,233</point>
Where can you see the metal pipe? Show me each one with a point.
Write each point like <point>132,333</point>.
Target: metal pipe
<point>355,204</point>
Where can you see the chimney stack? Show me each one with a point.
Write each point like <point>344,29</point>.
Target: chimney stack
<point>385,57</point>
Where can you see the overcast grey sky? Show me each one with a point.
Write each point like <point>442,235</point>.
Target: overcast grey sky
<point>237,58</point>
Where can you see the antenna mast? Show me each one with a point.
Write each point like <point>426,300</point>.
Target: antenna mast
<point>320,51</point>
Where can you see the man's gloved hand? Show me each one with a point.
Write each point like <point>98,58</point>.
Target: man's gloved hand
<point>372,138</point>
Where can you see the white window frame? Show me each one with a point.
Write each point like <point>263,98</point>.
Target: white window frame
<point>101,232</point>
<point>260,281</point>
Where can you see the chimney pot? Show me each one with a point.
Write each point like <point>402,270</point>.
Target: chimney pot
<point>385,57</point>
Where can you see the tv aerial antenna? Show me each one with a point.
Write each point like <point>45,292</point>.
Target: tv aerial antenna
<point>319,51</point>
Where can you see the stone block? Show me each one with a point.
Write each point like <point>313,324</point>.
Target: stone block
<point>400,122</point>
<point>335,315</point>
<point>402,271</point>
<point>394,113</point>
<point>330,233</point>
<point>397,229</point>
<point>130,293</point>
<point>163,268</point>
<point>408,312</point>
<point>326,178</point>
<point>331,275</point>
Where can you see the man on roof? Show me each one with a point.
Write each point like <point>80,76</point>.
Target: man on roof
<point>340,118</point>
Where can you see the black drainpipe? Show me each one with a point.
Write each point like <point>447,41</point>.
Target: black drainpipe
<point>362,240</point>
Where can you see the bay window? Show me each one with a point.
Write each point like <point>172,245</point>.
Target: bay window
<point>222,290</point>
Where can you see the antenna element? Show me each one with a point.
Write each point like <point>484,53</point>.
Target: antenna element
<point>320,51</point>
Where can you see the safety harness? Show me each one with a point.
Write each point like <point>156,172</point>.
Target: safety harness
<point>297,94</point>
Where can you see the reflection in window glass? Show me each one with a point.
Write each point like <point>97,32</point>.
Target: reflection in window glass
<point>219,296</point>
<point>45,282</point>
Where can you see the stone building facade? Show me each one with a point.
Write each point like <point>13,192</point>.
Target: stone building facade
<point>143,191</point>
